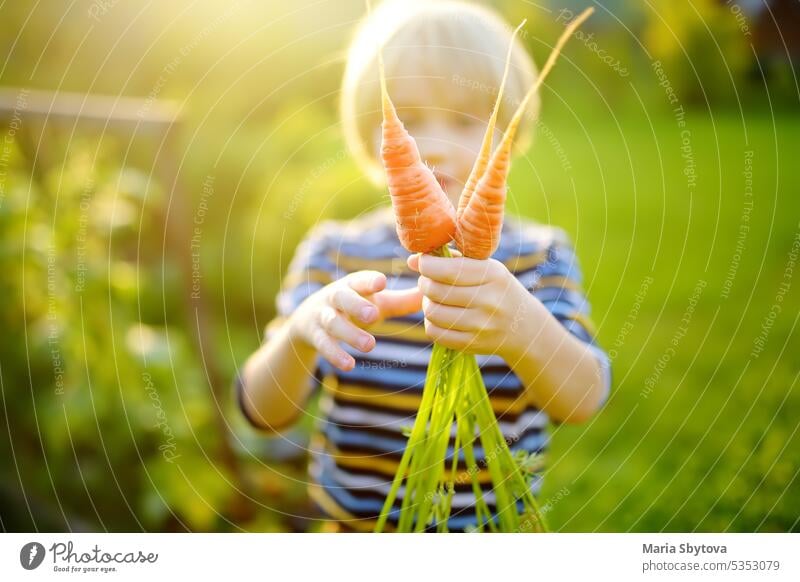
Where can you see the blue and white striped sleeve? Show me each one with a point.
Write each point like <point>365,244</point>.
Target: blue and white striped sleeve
<point>559,286</point>
<point>310,270</point>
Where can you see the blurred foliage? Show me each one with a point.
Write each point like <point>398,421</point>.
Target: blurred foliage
<point>98,354</point>
<point>680,37</point>
<point>117,394</point>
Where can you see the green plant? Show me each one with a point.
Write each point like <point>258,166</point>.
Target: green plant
<point>454,392</point>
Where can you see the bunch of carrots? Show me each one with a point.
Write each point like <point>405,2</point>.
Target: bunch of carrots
<point>454,392</point>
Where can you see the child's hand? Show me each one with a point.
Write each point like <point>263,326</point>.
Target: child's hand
<point>338,311</point>
<point>473,305</point>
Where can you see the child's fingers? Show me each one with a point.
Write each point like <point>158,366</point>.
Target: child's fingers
<point>413,260</point>
<point>338,326</point>
<point>348,300</point>
<point>329,349</point>
<point>397,303</point>
<point>455,318</point>
<point>366,282</point>
<point>474,296</point>
<point>449,338</point>
<point>454,271</point>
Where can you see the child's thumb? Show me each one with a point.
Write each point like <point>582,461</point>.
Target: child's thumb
<point>397,303</point>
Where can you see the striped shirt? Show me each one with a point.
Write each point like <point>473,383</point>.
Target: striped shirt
<point>359,438</point>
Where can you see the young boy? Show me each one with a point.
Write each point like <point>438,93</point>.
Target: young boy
<point>353,316</point>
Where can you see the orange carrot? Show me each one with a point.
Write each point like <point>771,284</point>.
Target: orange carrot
<point>486,146</point>
<point>426,219</point>
<point>480,222</point>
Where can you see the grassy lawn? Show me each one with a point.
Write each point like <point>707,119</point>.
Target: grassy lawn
<point>682,271</point>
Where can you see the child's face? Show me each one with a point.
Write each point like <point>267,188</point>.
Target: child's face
<point>448,135</point>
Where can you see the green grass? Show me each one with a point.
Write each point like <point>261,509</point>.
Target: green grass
<point>714,445</point>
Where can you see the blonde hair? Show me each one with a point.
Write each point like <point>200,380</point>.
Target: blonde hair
<point>463,44</point>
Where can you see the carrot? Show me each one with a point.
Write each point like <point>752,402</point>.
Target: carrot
<point>486,146</point>
<point>480,222</point>
<point>425,217</point>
